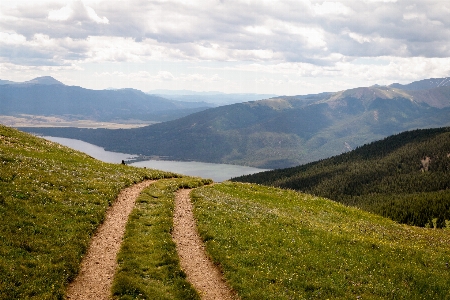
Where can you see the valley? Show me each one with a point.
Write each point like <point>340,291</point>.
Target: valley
<point>283,131</point>
<point>24,120</point>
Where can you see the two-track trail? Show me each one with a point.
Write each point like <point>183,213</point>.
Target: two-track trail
<point>200,270</point>
<point>99,265</point>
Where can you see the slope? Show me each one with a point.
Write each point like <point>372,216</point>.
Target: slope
<point>52,199</point>
<point>405,177</point>
<point>281,244</point>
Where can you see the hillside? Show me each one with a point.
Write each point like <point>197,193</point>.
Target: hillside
<point>52,199</point>
<point>270,243</point>
<point>45,96</point>
<point>281,244</point>
<point>280,132</point>
<point>405,177</point>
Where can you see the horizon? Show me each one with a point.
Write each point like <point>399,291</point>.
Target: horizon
<point>248,47</point>
<point>184,92</point>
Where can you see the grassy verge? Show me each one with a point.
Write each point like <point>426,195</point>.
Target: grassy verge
<point>52,199</point>
<point>279,244</point>
<point>148,262</point>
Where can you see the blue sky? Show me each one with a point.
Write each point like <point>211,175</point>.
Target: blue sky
<point>265,46</point>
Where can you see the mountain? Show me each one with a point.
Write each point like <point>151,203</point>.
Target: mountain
<point>46,80</point>
<point>423,84</point>
<point>6,82</point>
<point>216,98</point>
<point>49,97</point>
<point>405,177</point>
<point>280,132</point>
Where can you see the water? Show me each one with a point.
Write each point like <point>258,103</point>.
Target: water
<point>217,172</point>
<point>92,150</point>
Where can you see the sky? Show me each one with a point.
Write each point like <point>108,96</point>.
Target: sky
<point>283,47</point>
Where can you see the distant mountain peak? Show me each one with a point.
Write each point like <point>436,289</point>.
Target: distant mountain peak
<point>46,80</point>
<point>424,84</point>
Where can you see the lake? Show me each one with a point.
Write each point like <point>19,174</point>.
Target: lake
<point>217,172</point>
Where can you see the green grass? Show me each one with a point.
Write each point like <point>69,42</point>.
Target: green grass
<point>149,266</point>
<point>270,243</point>
<point>280,244</point>
<point>52,199</point>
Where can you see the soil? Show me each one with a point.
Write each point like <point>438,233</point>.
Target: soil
<point>200,270</point>
<point>99,265</point>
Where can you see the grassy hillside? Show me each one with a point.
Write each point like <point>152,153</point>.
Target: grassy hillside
<point>280,244</point>
<point>270,243</point>
<point>52,199</point>
<point>405,177</point>
<point>279,132</point>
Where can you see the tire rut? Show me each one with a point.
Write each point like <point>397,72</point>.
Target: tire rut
<point>200,270</point>
<point>95,278</point>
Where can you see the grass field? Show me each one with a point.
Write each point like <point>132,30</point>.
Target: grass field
<point>280,244</point>
<point>52,199</point>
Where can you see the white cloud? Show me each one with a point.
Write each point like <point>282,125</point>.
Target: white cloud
<point>359,38</point>
<point>304,39</point>
<point>76,10</point>
<point>12,38</point>
<point>93,15</point>
<point>61,14</point>
<point>331,8</point>
<point>375,1</point>
<point>259,30</point>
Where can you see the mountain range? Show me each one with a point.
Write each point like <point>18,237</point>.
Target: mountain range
<point>282,131</point>
<point>216,98</point>
<point>47,96</point>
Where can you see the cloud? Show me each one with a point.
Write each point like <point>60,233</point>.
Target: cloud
<point>76,11</point>
<point>331,8</point>
<point>322,37</point>
<point>61,14</point>
<point>161,76</point>
<point>308,31</point>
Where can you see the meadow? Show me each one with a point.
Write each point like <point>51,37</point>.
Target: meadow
<point>52,199</point>
<point>281,244</point>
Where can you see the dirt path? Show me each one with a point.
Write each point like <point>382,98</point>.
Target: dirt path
<point>98,267</point>
<point>200,270</point>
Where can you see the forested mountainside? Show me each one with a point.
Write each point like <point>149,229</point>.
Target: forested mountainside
<point>279,132</point>
<point>405,177</point>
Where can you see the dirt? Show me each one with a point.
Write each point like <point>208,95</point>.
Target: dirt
<point>200,270</point>
<point>99,265</point>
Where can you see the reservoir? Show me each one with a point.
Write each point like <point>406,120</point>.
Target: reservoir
<point>217,172</point>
